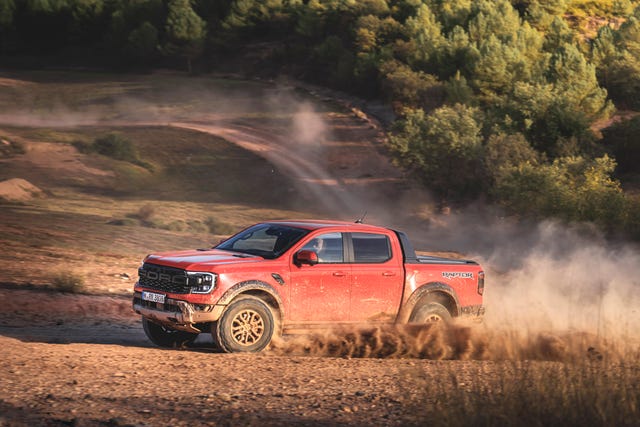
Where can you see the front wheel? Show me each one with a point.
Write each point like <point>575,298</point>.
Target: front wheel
<point>167,337</point>
<point>431,312</point>
<point>245,326</point>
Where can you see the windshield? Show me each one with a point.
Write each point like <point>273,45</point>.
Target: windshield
<point>265,240</point>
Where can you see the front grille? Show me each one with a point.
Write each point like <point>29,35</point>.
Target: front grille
<point>161,278</point>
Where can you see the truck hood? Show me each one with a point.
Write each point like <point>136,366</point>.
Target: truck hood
<point>199,259</point>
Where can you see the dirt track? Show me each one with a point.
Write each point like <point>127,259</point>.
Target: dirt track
<point>84,360</point>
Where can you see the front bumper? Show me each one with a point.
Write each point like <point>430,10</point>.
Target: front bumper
<point>177,314</point>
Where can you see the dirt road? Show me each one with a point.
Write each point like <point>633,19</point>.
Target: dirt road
<point>83,360</point>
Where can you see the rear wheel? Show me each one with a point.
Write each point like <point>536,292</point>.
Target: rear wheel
<point>167,337</point>
<point>246,325</point>
<point>431,312</point>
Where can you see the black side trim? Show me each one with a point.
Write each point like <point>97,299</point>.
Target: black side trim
<point>249,285</point>
<point>408,253</point>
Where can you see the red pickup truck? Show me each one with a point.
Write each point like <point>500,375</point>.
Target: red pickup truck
<point>282,277</point>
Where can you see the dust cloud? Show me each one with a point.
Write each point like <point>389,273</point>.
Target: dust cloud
<point>549,277</point>
<point>553,292</point>
<point>430,341</point>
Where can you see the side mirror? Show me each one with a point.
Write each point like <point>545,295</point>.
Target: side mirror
<point>305,257</point>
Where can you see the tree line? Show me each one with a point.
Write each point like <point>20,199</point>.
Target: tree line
<point>493,98</point>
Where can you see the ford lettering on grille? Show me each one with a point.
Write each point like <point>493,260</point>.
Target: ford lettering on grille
<point>163,278</point>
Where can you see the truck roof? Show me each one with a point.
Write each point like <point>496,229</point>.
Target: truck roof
<point>312,224</point>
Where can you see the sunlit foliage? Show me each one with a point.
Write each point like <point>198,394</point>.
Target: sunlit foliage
<point>492,98</point>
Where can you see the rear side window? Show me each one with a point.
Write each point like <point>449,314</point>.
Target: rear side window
<point>370,248</point>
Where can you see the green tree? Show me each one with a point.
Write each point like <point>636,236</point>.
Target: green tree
<point>458,55</point>
<point>444,148</point>
<point>453,13</point>
<point>425,31</point>
<point>570,188</point>
<point>604,54</point>
<point>504,152</point>
<point>411,88</point>
<point>495,18</point>
<point>575,81</point>
<point>335,61</point>
<point>185,31</point>
<point>617,56</point>
<point>565,105</point>
<point>623,140</point>
<point>130,28</point>
<point>458,90</point>
<point>7,9</point>
<point>247,15</point>
<point>142,46</point>
<point>496,70</point>
<point>541,14</point>
<point>557,35</point>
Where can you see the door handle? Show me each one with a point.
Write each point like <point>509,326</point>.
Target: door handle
<point>388,273</point>
<point>339,274</point>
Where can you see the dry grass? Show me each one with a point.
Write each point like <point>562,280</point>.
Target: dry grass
<point>531,394</point>
<point>68,281</point>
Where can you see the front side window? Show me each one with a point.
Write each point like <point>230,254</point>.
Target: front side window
<point>370,248</point>
<point>328,247</point>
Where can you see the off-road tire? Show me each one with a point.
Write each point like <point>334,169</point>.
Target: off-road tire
<point>431,312</point>
<point>246,325</point>
<point>167,337</point>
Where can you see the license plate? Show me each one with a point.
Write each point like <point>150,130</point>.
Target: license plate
<point>150,296</point>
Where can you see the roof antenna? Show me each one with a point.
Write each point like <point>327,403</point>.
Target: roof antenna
<point>361,219</point>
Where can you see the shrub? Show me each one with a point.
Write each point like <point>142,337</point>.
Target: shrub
<point>145,213</point>
<point>503,152</point>
<point>198,226</point>
<point>116,146</point>
<point>177,225</point>
<point>411,88</point>
<point>67,281</point>
<point>623,139</point>
<point>570,188</point>
<point>9,148</point>
<point>444,148</point>
<point>217,227</point>
<point>124,221</point>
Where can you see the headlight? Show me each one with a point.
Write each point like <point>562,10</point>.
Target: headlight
<point>201,283</point>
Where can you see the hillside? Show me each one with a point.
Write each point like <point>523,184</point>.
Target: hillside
<point>211,156</point>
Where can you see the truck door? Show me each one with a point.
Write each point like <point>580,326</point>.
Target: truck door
<point>377,278</point>
<point>321,292</point>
